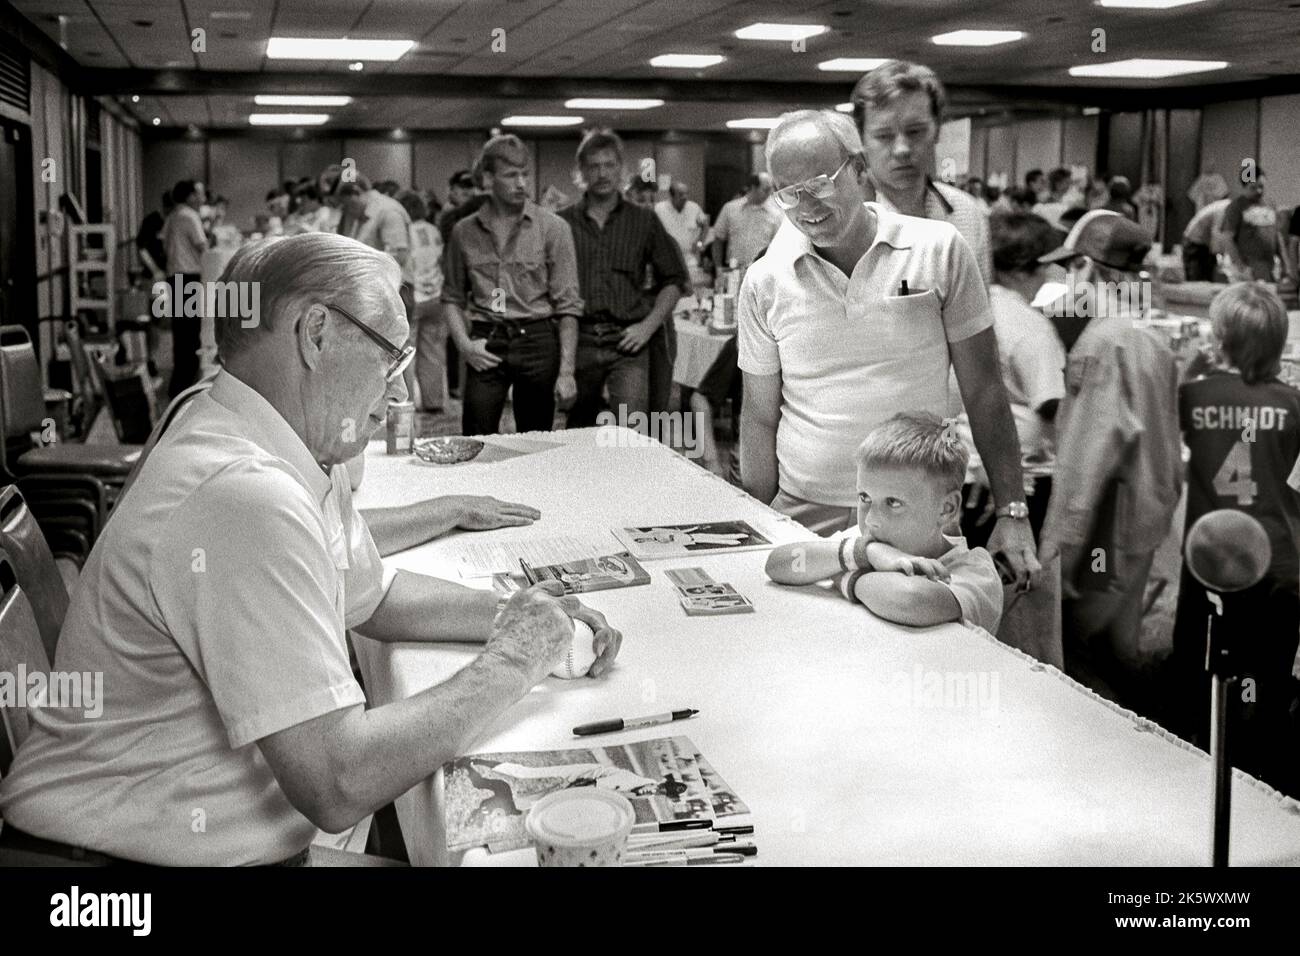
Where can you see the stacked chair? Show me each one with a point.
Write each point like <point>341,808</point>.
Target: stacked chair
<point>69,487</point>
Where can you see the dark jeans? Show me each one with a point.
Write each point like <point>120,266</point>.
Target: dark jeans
<point>185,344</point>
<point>662,350</point>
<point>1264,630</point>
<point>601,364</point>
<point>1199,262</point>
<point>530,363</point>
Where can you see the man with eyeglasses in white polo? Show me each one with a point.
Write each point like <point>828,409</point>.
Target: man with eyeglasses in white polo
<point>853,314</point>
<point>216,601</point>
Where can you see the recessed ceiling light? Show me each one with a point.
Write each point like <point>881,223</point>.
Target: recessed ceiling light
<point>784,32</point>
<point>342,48</point>
<point>610,103</point>
<point>977,37</point>
<point>1142,69</point>
<point>541,121</point>
<point>687,61</point>
<point>1146,4</point>
<point>753,122</point>
<point>277,99</point>
<point>287,119</point>
<point>356,67</point>
<point>157,121</point>
<point>135,98</point>
<point>844,107</point>
<point>851,64</point>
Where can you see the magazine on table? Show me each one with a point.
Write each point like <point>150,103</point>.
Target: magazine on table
<point>668,782</point>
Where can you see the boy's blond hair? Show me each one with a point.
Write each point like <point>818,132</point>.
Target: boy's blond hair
<point>917,440</point>
<point>1250,328</point>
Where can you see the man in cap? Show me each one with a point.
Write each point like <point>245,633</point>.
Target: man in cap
<point>1118,470</point>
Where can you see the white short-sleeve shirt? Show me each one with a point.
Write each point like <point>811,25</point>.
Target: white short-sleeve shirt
<point>215,605</point>
<point>852,351</point>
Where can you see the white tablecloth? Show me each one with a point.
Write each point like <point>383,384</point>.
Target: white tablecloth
<point>831,724</point>
<point>697,350</point>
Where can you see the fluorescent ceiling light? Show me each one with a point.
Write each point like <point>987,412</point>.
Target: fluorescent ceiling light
<point>1146,4</point>
<point>687,61</point>
<point>287,119</point>
<point>780,31</point>
<point>1141,69</point>
<point>231,15</point>
<point>977,37</point>
<point>541,121</point>
<point>610,103</point>
<point>315,48</point>
<point>844,107</point>
<point>851,64</point>
<point>753,122</point>
<point>276,99</point>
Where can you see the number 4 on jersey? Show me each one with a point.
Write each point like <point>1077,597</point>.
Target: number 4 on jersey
<point>1232,480</point>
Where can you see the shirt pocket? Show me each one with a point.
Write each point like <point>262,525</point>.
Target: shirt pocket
<point>907,323</point>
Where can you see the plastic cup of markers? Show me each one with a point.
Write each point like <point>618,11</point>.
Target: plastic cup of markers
<point>584,826</point>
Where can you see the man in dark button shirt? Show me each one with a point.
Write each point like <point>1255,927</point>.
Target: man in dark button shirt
<point>615,242</point>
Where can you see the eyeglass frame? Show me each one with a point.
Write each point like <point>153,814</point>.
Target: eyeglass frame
<point>804,185</point>
<point>401,355</point>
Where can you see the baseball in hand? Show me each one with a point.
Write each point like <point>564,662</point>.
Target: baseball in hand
<point>580,655</point>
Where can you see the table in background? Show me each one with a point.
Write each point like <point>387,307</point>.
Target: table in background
<point>698,349</point>
<point>834,773</point>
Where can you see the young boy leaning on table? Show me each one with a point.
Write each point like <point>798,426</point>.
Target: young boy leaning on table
<point>900,563</point>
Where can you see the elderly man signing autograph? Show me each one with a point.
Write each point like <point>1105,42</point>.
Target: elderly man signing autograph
<point>216,603</point>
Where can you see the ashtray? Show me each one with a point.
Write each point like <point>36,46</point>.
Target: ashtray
<point>447,451</point>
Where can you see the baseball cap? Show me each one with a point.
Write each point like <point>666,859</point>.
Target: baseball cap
<point>1107,237</point>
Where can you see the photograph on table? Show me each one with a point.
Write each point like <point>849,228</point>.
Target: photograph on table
<point>679,540</point>
<point>591,574</point>
<point>488,795</point>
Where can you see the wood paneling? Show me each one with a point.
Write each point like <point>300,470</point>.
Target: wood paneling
<point>1229,134</point>
<point>1002,153</point>
<point>379,159</point>
<point>243,171</point>
<point>1038,146</point>
<point>1280,148</point>
<point>436,159</point>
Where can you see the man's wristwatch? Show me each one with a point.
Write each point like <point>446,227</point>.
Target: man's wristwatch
<point>1016,510</point>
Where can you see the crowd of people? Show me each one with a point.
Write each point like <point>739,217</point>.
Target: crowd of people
<point>1070,419</point>
<point>869,291</point>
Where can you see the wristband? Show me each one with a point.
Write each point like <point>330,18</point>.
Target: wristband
<point>849,562</point>
<point>848,582</point>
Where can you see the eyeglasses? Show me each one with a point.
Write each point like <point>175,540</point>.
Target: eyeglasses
<point>401,355</point>
<point>819,187</point>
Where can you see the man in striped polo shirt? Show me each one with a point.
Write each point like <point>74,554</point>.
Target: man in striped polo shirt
<point>898,107</point>
<point>616,242</point>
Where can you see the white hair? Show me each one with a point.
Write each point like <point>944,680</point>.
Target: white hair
<point>292,270</point>
<point>828,122</point>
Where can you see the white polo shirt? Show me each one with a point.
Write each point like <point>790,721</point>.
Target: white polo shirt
<point>968,214</point>
<point>852,351</point>
<point>214,603</point>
